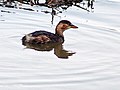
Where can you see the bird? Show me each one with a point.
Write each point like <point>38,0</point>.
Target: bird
<point>45,37</point>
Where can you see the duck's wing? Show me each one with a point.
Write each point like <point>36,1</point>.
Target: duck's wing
<point>45,35</point>
<point>39,37</point>
<point>41,32</point>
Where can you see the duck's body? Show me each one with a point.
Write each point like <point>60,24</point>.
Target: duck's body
<point>43,37</point>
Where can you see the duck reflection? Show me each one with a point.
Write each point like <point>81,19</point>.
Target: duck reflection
<point>59,51</point>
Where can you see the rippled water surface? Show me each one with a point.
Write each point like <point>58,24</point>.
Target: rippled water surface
<point>94,64</point>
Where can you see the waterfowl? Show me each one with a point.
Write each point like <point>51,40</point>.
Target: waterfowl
<point>44,37</point>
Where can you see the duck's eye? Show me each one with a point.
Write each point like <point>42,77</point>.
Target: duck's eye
<point>64,26</point>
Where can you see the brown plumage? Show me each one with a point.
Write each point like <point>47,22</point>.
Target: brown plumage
<point>43,37</point>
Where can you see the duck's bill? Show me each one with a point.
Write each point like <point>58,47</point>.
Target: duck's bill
<point>73,26</point>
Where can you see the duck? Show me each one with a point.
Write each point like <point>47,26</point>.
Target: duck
<point>45,37</point>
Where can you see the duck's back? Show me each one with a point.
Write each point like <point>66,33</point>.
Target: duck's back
<point>41,37</point>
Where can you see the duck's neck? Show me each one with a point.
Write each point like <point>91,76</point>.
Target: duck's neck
<point>59,31</point>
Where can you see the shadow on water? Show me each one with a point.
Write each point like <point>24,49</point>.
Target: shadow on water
<point>59,51</point>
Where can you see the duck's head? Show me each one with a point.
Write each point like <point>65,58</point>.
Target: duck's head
<point>64,25</point>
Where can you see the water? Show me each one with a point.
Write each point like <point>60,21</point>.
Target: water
<point>96,46</point>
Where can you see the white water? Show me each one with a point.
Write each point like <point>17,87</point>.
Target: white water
<point>95,66</point>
